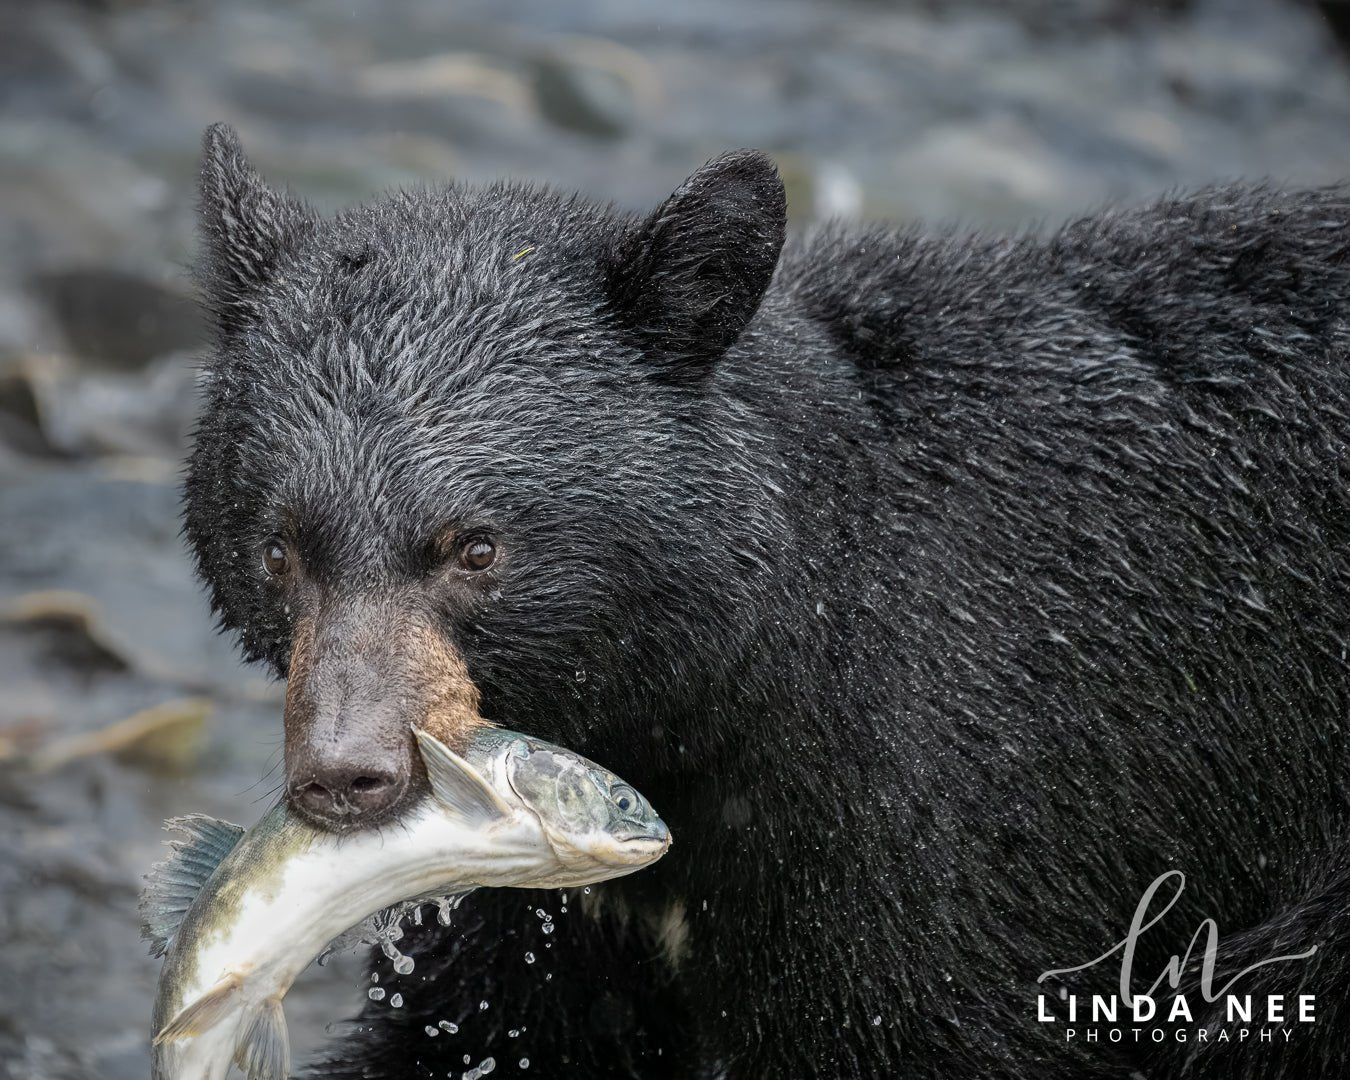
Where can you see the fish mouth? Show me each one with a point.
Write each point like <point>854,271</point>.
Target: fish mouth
<point>629,853</point>
<point>647,847</point>
<point>644,848</point>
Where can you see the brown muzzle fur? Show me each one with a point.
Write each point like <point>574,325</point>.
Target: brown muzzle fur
<point>365,669</point>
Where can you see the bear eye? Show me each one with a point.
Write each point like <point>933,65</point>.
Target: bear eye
<point>476,554</point>
<point>274,558</point>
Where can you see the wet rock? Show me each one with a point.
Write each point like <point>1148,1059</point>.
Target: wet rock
<point>70,201</point>
<point>147,413</point>
<point>60,625</point>
<point>20,418</point>
<point>577,97</point>
<point>116,320</point>
<point>108,552</point>
<point>1000,166</point>
<point>166,737</point>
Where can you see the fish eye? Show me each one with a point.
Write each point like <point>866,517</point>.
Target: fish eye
<point>275,560</point>
<point>625,798</point>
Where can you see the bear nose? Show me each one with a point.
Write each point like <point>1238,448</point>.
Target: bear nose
<point>344,795</point>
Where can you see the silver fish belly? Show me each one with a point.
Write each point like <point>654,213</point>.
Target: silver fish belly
<point>240,915</point>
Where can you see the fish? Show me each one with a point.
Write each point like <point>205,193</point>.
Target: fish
<point>238,915</point>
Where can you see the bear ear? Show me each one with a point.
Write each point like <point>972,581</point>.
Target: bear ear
<point>689,277</point>
<point>246,225</point>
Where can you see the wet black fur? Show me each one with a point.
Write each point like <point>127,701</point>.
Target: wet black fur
<point>939,601</point>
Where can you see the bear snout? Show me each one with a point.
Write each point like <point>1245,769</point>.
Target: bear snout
<point>363,673</point>
<point>342,787</point>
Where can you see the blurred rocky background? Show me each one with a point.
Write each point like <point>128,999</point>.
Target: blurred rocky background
<point>119,705</point>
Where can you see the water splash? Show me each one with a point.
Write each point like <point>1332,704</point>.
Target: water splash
<point>385,927</point>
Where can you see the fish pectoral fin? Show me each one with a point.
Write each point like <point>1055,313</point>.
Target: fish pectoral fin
<point>457,785</point>
<point>174,882</point>
<point>204,1013</point>
<point>264,1052</point>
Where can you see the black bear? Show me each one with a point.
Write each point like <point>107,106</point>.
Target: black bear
<point>943,592</point>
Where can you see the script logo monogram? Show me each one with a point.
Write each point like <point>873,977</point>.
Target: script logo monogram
<point>1172,971</point>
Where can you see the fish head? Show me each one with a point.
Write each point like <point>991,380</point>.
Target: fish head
<point>595,822</point>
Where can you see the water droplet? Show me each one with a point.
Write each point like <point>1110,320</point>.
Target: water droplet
<point>375,993</point>
<point>524,1063</point>
<point>404,965</point>
<point>876,1021</point>
<point>587,890</point>
<point>548,928</point>
<point>581,675</point>
<point>374,976</point>
<point>396,1001</point>
<point>513,1033</point>
<point>449,1027</point>
<point>548,977</point>
<point>529,958</point>
<point>486,1066</point>
<point>432,1031</point>
<point>482,1006</point>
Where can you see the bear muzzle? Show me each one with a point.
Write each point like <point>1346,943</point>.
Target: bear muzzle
<point>364,672</point>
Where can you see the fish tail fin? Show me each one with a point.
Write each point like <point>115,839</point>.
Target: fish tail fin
<point>204,1013</point>
<point>264,1051</point>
